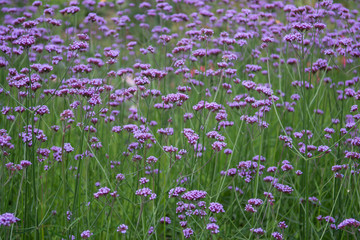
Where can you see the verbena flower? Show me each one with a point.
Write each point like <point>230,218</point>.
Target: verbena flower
<point>7,219</point>
<point>122,228</point>
<point>86,234</point>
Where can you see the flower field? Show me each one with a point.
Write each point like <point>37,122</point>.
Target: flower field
<point>181,119</point>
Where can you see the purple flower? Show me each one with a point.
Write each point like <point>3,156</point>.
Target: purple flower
<point>143,192</point>
<point>301,27</point>
<point>70,10</point>
<point>175,192</point>
<point>255,202</point>
<point>102,192</point>
<point>283,188</point>
<point>143,180</point>
<point>250,208</point>
<point>216,207</point>
<point>25,41</point>
<point>282,225</point>
<point>37,3</point>
<point>120,177</point>
<point>194,195</point>
<point>68,215</point>
<point>350,222</point>
<point>218,146</point>
<point>188,232</point>
<point>214,228</point>
<point>122,228</point>
<point>258,231</point>
<point>25,163</point>
<point>151,230</point>
<point>68,148</point>
<point>86,234</point>
<point>7,219</point>
<point>277,236</point>
<point>165,220</point>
